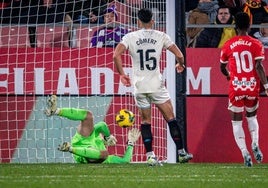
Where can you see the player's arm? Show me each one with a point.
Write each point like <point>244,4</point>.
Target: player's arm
<point>119,50</point>
<point>102,128</point>
<point>262,75</point>
<point>179,57</point>
<point>224,70</point>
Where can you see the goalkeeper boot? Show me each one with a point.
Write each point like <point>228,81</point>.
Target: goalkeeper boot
<point>247,160</point>
<point>51,105</point>
<point>184,157</point>
<point>64,147</point>
<point>257,153</point>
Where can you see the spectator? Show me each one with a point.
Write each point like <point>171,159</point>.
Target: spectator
<point>88,11</point>
<point>95,13</point>
<point>215,37</point>
<point>234,5</point>
<point>256,9</point>
<point>262,34</point>
<point>54,11</point>
<point>111,33</point>
<point>50,12</point>
<point>204,13</point>
<point>33,12</point>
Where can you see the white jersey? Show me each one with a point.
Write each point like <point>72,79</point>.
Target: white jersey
<point>145,47</point>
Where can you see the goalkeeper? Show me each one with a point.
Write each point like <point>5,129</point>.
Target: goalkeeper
<point>88,145</point>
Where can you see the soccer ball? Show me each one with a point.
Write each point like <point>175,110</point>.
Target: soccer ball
<point>125,118</point>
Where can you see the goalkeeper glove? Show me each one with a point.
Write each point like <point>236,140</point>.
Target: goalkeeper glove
<point>133,136</point>
<point>110,140</point>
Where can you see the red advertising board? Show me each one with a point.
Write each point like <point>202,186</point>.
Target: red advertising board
<point>27,71</point>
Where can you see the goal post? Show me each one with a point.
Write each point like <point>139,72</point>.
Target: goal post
<point>171,31</point>
<point>81,77</point>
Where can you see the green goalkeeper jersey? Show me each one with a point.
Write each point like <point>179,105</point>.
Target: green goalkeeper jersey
<point>87,149</point>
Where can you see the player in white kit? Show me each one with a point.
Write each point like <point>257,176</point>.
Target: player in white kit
<point>145,47</point>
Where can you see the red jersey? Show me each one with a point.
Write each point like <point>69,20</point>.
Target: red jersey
<point>240,52</point>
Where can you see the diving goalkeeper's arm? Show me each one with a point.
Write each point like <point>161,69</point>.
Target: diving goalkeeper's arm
<point>133,136</point>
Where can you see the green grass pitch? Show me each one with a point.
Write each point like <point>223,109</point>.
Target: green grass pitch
<point>133,175</point>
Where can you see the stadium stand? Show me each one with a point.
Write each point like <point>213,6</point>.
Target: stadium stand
<point>15,36</point>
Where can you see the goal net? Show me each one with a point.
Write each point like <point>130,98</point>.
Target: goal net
<point>44,52</point>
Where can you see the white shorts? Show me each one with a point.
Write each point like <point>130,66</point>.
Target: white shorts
<point>144,100</point>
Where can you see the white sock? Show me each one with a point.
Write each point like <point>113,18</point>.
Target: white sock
<point>149,154</point>
<point>181,151</point>
<point>239,136</point>
<point>253,128</point>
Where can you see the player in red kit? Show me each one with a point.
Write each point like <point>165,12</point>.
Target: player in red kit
<point>245,72</point>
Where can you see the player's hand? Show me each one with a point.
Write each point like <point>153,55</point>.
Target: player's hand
<point>110,140</point>
<point>133,136</point>
<point>125,80</point>
<point>179,67</point>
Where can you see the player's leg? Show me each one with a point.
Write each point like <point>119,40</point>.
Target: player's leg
<point>253,127</point>
<point>86,117</point>
<point>144,106</point>
<point>147,136</point>
<point>175,130</point>
<point>69,113</point>
<point>236,108</point>
<point>163,103</point>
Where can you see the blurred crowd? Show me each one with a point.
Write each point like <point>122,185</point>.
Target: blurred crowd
<point>52,11</point>
<point>218,14</point>
<point>198,12</point>
<point>101,13</point>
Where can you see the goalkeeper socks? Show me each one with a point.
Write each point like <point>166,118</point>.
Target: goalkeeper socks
<point>73,113</point>
<point>147,137</point>
<point>175,133</point>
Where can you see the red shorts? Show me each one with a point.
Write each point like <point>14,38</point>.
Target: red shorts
<point>240,101</point>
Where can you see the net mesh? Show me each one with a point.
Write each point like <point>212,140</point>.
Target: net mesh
<point>46,49</point>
